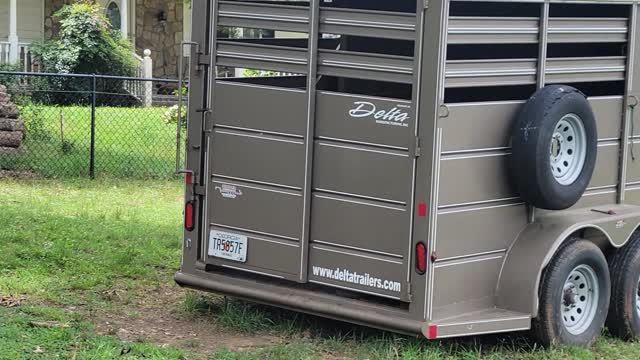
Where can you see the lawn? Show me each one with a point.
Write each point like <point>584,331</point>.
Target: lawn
<point>129,142</point>
<point>79,257</point>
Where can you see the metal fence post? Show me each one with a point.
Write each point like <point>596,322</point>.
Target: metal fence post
<point>92,148</point>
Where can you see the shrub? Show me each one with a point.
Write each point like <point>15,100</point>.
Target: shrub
<point>34,120</point>
<point>170,117</point>
<point>85,44</point>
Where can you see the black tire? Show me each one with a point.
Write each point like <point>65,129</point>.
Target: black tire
<point>549,327</point>
<point>624,320</point>
<point>532,138</point>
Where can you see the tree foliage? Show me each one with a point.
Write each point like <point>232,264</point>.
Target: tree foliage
<point>86,44</point>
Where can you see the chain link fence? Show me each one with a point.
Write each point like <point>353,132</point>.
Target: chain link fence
<point>87,126</point>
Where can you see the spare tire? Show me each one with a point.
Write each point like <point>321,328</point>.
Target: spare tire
<point>554,148</point>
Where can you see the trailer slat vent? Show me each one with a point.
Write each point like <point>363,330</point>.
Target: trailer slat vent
<point>493,30</point>
<point>365,87</point>
<point>263,15</point>
<point>589,10</point>
<point>400,6</point>
<point>493,45</point>
<point>259,56</point>
<point>366,66</point>
<point>368,23</point>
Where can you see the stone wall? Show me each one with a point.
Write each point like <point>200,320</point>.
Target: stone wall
<point>11,129</point>
<point>51,27</point>
<point>159,28</point>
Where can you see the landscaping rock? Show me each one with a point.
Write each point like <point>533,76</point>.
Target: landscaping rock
<point>12,129</point>
<point>9,151</point>
<point>11,138</point>
<point>12,125</point>
<point>7,108</point>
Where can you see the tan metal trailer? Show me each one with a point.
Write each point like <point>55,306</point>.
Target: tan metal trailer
<point>433,167</point>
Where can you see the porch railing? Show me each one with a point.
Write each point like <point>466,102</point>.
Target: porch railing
<point>25,61</point>
<point>144,69</point>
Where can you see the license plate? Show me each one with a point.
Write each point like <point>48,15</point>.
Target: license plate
<point>228,246</point>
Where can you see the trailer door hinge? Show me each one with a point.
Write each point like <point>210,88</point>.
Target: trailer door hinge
<point>425,4</point>
<point>417,148</point>
<point>199,190</point>
<point>204,59</point>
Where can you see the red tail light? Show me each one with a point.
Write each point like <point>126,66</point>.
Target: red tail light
<point>189,223</point>
<point>421,258</point>
<point>188,178</point>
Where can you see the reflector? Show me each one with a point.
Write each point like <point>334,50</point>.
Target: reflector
<point>421,258</point>
<point>188,216</point>
<point>433,332</point>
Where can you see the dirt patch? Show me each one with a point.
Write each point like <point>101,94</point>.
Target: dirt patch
<point>155,316</point>
<point>17,174</point>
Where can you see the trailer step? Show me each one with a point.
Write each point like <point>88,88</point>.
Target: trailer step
<point>484,321</point>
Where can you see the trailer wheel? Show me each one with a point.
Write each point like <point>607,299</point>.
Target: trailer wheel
<point>574,296</point>
<point>624,314</point>
<point>554,148</point>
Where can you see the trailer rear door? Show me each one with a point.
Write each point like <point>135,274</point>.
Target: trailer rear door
<point>312,173</point>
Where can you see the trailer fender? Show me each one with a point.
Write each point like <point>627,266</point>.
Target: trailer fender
<point>535,246</point>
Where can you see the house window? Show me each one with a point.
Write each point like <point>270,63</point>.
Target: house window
<point>113,15</point>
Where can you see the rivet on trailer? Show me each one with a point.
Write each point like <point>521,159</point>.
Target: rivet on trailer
<point>440,168</point>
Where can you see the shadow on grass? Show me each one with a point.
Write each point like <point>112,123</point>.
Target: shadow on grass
<point>354,340</point>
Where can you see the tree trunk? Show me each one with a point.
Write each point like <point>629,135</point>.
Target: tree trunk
<point>10,138</point>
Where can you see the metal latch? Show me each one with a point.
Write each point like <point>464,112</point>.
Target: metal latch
<point>418,150</point>
<point>207,121</point>
<point>425,5</point>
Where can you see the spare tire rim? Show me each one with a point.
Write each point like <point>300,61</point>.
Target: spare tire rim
<point>568,149</point>
<point>579,303</point>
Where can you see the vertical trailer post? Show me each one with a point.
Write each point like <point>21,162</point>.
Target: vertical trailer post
<point>314,25</point>
<point>630,102</point>
<point>431,97</point>
<point>209,74</point>
<point>543,38</point>
<point>199,78</point>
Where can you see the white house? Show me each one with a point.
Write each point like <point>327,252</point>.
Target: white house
<point>157,25</point>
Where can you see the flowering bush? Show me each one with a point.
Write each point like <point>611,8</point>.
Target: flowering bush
<point>170,117</point>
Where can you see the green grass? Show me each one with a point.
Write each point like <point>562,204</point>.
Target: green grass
<point>128,142</point>
<point>19,339</point>
<point>62,237</point>
<point>63,243</point>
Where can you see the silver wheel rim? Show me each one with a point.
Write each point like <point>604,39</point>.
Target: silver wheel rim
<point>579,301</point>
<point>568,149</point>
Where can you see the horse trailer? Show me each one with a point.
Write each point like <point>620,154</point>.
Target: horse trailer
<point>439,168</point>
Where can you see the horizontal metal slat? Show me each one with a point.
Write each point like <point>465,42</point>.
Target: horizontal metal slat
<point>263,16</point>
<point>610,68</point>
<point>264,57</point>
<point>365,66</point>
<point>499,72</point>
<point>587,30</point>
<point>379,24</point>
<point>492,30</point>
